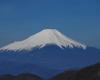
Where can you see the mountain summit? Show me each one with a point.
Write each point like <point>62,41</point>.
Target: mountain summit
<point>43,38</point>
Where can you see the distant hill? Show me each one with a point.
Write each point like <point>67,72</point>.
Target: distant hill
<point>88,73</point>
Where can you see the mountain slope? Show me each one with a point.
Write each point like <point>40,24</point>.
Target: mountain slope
<point>88,73</point>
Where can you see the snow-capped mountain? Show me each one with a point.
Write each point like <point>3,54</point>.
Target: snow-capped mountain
<point>46,53</point>
<point>43,38</point>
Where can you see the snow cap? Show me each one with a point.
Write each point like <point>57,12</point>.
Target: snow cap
<point>43,38</point>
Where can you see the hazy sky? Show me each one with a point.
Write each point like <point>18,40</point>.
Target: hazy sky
<point>78,19</point>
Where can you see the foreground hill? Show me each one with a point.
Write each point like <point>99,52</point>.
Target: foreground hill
<point>20,77</point>
<point>88,73</point>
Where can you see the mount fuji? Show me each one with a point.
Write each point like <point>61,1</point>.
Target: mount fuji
<point>46,54</point>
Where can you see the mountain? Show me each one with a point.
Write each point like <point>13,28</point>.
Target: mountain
<point>88,73</point>
<point>46,54</point>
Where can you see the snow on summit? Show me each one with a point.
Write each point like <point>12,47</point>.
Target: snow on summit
<point>43,38</point>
